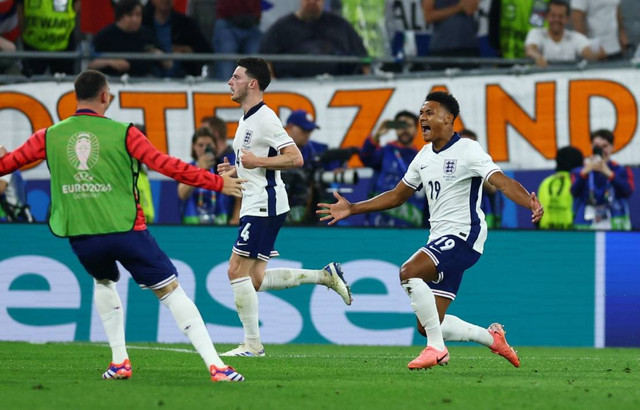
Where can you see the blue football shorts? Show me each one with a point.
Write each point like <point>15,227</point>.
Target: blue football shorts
<point>137,251</point>
<point>257,236</point>
<point>452,256</point>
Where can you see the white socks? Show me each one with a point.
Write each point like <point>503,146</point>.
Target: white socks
<point>109,308</point>
<point>284,278</point>
<point>424,304</point>
<point>246,299</point>
<point>455,329</point>
<point>190,321</point>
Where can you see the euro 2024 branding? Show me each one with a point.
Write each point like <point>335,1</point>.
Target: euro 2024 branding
<point>83,151</point>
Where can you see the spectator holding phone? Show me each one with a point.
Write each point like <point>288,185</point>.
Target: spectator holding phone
<point>197,205</point>
<point>390,162</point>
<point>601,188</point>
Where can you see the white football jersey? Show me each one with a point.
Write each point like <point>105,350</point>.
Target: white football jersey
<point>260,131</point>
<point>452,179</point>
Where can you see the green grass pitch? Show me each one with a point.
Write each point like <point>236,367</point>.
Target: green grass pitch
<point>68,376</point>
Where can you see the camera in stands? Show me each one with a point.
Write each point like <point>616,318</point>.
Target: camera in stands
<point>346,176</point>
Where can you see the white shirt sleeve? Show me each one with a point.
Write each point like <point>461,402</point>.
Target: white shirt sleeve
<point>274,133</point>
<point>580,41</point>
<point>412,177</point>
<point>579,5</point>
<point>479,162</point>
<point>534,37</point>
<point>6,178</point>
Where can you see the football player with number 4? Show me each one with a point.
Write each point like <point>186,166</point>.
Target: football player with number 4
<point>451,169</point>
<point>263,148</point>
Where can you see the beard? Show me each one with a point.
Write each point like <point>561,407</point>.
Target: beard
<point>405,138</point>
<point>239,96</point>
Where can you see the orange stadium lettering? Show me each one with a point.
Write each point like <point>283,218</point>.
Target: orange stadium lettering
<point>539,128</point>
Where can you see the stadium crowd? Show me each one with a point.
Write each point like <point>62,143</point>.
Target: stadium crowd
<point>545,31</point>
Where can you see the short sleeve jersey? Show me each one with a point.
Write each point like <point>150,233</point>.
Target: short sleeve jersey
<point>569,48</point>
<point>260,131</point>
<point>452,179</point>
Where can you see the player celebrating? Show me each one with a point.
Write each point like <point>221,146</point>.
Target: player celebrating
<point>451,169</point>
<point>263,148</point>
<point>94,164</point>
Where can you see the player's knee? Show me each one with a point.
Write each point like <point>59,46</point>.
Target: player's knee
<point>104,282</point>
<point>165,290</point>
<point>234,269</point>
<point>407,271</point>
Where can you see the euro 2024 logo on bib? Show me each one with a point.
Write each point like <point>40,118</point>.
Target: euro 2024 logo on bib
<point>83,151</point>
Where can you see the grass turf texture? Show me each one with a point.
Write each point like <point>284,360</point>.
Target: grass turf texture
<point>68,376</point>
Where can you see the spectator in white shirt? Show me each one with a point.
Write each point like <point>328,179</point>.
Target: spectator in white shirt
<point>556,43</point>
<point>601,20</point>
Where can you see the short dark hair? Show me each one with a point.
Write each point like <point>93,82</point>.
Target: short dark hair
<point>88,84</point>
<point>405,113</point>
<point>568,158</point>
<point>257,68</point>
<point>217,124</point>
<point>201,132</point>
<point>468,133</point>
<point>446,99</point>
<point>125,7</point>
<point>558,3</point>
<point>602,133</point>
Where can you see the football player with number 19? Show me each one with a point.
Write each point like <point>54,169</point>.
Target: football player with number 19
<point>451,170</point>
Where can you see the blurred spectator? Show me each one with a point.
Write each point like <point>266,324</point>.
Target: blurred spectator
<point>556,43</point>
<point>364,17</point>
<point>9,29</point>
<point>407,31</point>
<point>601,20</point>
<point>9,33</point>
<point>510,21</point>
<point>127,35</point>
<point>13,197</point>
<point>454,29</point>
<point>48,25</point>
<point>145,196</point>
<point>197,205</point>
<point>554,192</point>
<point>176,33</point>
<point>630,10</point>
<point>96,15</point>
<point>323,168</point>
<point>300,182</point>
<point>491,204</point>
<point>218,128</point>
<point>312,31</point>
<point>235,31</point>
<point>601,188</point>
<point>223,152</point>
<point>391,163</point>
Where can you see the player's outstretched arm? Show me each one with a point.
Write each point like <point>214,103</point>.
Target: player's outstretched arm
<point>513,190</point>
<point>332,213</point>
<point>31,151</point>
